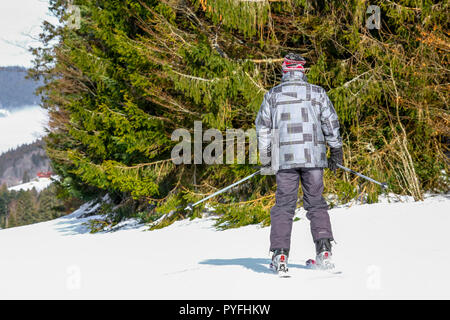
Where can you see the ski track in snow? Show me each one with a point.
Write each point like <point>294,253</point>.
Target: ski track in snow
<point>385,250</point>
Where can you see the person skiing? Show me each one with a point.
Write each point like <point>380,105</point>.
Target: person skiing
<point>295,122</point>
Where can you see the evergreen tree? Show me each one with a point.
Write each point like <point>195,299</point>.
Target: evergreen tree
<point>26,208</point>
<point>18,208</point>
<point>26,177</point>
<point>11,220</point>
<point>4,200</point>
<point>118,86</point>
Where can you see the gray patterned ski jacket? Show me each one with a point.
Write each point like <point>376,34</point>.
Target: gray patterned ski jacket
<point>295,121</point>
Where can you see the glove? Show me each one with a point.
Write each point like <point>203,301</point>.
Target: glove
<point>266,160</point>
<point>336,157</point>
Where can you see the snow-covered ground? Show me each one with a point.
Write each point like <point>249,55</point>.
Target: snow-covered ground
<point>4,113</point>
<point>385,250</point>
<point>22,126</point>
<point>39,184</point>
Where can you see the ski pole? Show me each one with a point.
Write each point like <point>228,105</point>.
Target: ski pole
<point>191,206</point>
<point>384,185</point>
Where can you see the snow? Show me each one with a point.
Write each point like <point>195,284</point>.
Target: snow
<point>4,113</point>
<point>22,126</point>
<point>396,250</point>
<point>39,184</point>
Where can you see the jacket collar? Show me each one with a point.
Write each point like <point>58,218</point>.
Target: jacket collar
<point>294,75</point>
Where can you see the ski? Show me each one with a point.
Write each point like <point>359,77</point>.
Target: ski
<point>330,268</point>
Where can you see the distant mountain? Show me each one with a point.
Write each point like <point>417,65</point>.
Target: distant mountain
<point>23,164</point>
<point>16,90</point>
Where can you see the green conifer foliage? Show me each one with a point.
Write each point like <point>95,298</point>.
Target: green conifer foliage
<point>19,208</point>
<point>136,70</point>
<point>249,17</point>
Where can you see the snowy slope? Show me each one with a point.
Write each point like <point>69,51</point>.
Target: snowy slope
<point>39,184</point>
<point>386,250</point>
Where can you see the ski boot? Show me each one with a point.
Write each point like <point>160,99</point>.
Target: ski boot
<point>279,262</point>
<point>323,256</point>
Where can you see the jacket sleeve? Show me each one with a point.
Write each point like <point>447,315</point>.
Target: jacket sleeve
<point>329,122</point>
<point>263,130</point>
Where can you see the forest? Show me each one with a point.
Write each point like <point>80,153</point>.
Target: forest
<point>117,86</point>
<point>19,208</point>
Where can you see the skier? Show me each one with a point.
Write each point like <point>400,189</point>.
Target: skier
<point>295,121</point>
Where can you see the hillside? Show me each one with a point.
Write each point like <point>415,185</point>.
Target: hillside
<point>23,164</point>
<point>15,89</point>
<point>37,183</point>
<point>385,251</point>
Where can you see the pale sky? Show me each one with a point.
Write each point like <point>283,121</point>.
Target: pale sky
<point>20,21</point>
